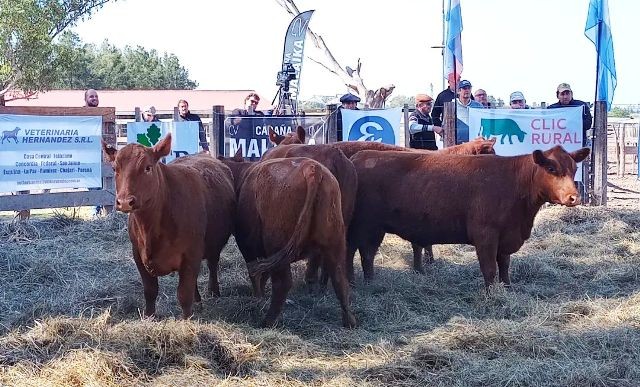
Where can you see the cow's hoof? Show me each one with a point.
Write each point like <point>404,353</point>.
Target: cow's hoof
<point>349,320</point>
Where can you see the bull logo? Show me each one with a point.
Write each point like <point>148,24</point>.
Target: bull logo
<point>10,134</point>
<point>372,128</point>
<point>501,127</point>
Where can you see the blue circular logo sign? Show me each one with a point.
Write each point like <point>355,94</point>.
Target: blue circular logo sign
<point>372,128</point>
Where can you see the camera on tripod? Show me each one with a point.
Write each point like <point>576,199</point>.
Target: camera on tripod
<point>285,76</point>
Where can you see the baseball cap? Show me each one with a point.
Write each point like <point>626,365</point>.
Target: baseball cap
<point>423,98</point>
<point>464,83</point>
<point>347,98</point>
<point>150,109</point>
<point>563,87</point>
<point>516,96</point>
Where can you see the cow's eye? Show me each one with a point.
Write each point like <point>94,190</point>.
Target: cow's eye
<point>147,169</point>
<point>551,169</point>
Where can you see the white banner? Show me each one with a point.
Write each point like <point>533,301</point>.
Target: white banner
<point>372,125</point>
<point>48,152</point>
<point>521,131</point>
<point>184,136</point>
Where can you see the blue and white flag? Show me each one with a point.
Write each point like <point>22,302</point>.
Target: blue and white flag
<point>372,125</point>
<point>48,152</point>
<point>453,41</point>
<point>598,30</point>
<point>184,136</point>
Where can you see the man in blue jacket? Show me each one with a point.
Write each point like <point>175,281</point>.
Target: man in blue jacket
<point>565,99</point>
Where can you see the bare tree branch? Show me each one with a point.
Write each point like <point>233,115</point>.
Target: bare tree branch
<point>352,79</point>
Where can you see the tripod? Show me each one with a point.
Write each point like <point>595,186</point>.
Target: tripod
<point>286,106</point>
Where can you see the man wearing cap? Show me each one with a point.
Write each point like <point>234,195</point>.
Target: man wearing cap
<point>565,99</point>
<point>517,101</point>
<point>348,101</point>
<point>421,127</point>
<point>149,114</point>
<point>463,103</point>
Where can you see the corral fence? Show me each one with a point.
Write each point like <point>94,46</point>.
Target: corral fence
<point>322,127</point>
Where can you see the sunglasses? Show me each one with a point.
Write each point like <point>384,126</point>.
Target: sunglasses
<point>481,95</point>
<point>517,101</point>
<point>253,101</point>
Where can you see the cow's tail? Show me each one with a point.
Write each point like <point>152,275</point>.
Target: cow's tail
<point>313,179</point>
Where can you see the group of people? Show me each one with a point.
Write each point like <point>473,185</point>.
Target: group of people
<point>426,120</point>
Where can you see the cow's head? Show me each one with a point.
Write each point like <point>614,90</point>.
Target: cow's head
<point>296,137</point>
<point>557,169</point>
<point>137,173</point>
<point>483,147</point>
<point>237,165</point>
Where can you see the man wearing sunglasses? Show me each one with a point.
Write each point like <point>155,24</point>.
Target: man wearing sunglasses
<point>421,127</point>
<point>251,102</point>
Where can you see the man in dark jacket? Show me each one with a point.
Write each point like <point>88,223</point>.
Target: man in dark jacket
<point>186,115</point>
<point>446,95</point>
<point>565,99</point>
<point>348,101</point>
<point>421,127</point>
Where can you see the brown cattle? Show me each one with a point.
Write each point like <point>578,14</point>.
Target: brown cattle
<point>179,214</point>
<point>489,202</point>
<point>474,147</point>
<point>342,169</point>
<point>296,137</point>
<point>289,209</point>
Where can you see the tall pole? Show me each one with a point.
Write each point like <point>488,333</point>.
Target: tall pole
<point>443,37</point>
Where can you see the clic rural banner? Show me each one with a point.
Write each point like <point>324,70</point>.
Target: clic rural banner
<point>521,131</point>
<point>48,152</point>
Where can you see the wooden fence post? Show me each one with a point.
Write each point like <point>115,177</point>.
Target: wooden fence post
<point>138,114</point>
<point>449,124</point>
<point>407,135</point>
<point>331,135</point>
<point>599,150</point>
<point>216,131</point>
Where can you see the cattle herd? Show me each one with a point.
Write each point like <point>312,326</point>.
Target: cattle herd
<point>322,203</point>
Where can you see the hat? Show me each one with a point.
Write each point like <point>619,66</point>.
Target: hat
<point>349,98</point>
<point>423,98</point>
<point>516,96</point>
<point>464,83</point>
<point>150,109</point>
<point>563,87</point>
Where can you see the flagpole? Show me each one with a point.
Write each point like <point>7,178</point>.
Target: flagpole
<point>598,61</point>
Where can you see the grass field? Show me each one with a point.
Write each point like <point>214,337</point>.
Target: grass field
<point>71,297</point>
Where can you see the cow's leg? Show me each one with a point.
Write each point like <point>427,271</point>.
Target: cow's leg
<point>187,282</point>
<point>197,297</point>
<point>487,252</point>
<point>502,138</point>
<point>280,285</point>
<point>351,252</point>
<point>368,253</point>
<point>214,286</point>
<point>149,285</point>
<point>417,258</point>
<point>340,285</point>
<point>503,268</point>
<point>428,253</point>
<point>311,273</point>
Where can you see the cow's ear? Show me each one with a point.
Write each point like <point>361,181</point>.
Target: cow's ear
<point>162,148</point>
<point>493,140</point>
<point>275,138</point>
<point>301,133</point>
<point>539,158</point>
<point>580,154</point>
<point>238,156</point>
<point>109,150</point>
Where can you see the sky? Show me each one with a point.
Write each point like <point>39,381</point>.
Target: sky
<point>525,45</point>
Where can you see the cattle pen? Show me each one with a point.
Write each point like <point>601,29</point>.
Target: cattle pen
<point>71,302</point>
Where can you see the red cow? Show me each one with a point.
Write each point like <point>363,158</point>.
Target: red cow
<point>179,214</point>
<point>489,202</point>
<point>474,147</point>
<point>289,209</point>
<point>342,169</point>
<point>296,137</point>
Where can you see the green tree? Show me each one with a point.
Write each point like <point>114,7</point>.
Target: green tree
<point>28,29</point>
<point>401,100</point>
<point>620,112</point>
<point>109,67</point>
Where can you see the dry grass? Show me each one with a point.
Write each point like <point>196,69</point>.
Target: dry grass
<point>70,300</point>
